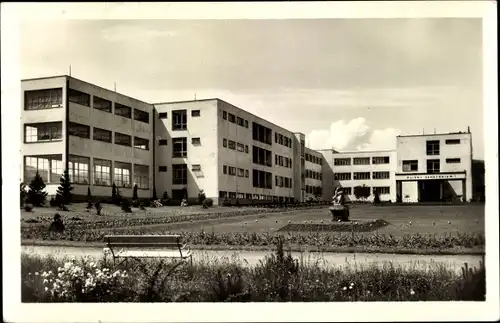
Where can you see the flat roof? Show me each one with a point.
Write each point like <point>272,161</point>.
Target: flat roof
<point>358,151</point>
<point>438,134</point>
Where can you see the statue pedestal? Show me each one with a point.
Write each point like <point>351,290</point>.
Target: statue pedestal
<point>339,212</point>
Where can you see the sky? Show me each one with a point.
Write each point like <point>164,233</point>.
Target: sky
<point>348,84</point>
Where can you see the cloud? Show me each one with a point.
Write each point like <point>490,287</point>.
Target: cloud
<point>355,134</point>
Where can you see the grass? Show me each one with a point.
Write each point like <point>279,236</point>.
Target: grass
<point>278,278</point>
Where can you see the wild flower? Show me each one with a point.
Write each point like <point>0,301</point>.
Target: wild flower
<point>412,292</point>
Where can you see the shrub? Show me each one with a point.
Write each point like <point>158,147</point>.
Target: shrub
<point>23,194</point>
<point>208,202</point>
<point>36,193</point>
<point>201,197</point>
<point>226,202</point>
<point>28,207</point>
<point>362,192</point>
<point>125,205</point>
<point>53,202</point>
<point>116,197</point>
<point>376,197</point>
<point>165,199</point>
<point>98,207</point>
<point>63,195</point>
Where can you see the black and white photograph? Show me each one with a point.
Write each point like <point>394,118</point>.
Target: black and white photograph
<point>202,158</point>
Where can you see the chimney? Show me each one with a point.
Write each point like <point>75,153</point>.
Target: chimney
<point>468,129</point>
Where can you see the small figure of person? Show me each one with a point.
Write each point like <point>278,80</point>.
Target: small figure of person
<point>57,225</point>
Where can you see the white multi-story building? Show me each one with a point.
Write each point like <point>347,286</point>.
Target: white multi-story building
<point>314,174</point>
<point>434,167</point>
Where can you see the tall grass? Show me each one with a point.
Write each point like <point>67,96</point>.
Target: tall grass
<point>277,278</point>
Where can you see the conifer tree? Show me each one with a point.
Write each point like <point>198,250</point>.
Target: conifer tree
<point>63,195</point>
<point>36,193</point>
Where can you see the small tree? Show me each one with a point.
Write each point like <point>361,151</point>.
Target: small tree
<point>134,195</point>
<point>201,197</point>
<point>63,195</point>
<point>115,195</point>
<point>376,197</point>
<point>23,194</point>
<point>362,192</point>
<point>36,193</point>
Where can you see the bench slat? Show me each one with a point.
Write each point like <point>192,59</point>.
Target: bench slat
<point>145,245</point>
<point>139,239</point>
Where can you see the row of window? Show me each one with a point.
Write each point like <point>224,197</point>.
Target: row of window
<point>234,119</point>
<point>314,159</point>
<point>361,176</point>
<point>50,168</point>
<point>316,190</point>
<point>361,161</point>
<point>231,144</point>
<point>380,189</point>
<point>256,197</point>
<point>179,118</point>
<point>433,165</point>
<point>433,146</point>
<point>281,181</point>
<point>83,131</point>
<point>282,140</point>
<point>314,175</point>
<point>282,161</point>
<point>233,171</point>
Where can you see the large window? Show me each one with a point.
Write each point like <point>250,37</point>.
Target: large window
<point>433,166</point>
<point>342,176</point>
<point>361,161</point>
<point>102,104</point>
<point>78,169</point>
<point>432,147</point>
<point>102,172</point>
<point>262,179</point>
<point>361,175</point>
<point>381,175</point>
<point>380,160</point>
<point>179,147</point>
<point>43,99</point>
<point>410,165</point>
<point>261,133</point>
<point>49,167</point>
<point>382,190</point>
<point>79,130</point>
<point>342,161</point>
<point>79,97</point>
<point>121,174</point>
<point>179,174</point>
<point>141,176</point>
<point>179,120</point>
<point>123,110</point>
<point>41,132</point>
<point>123,139</point>
<point>141,143</point>
<point>262,156</point>
<point>141,116</point>
<point>102,135</point>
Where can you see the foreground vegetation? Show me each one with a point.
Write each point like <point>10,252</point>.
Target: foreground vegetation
<point>277,278</point>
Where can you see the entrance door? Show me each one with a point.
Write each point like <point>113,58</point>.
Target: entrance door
<point>430,191</point>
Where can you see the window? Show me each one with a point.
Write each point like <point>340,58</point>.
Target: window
<point>224,169</point>
<point>79,130</point>
<point>195,113</point>
<point>232,195</point>
<point>246,149</point>
<point>78,169</point>
<point>102,172</point>
<point>410,165</point>
<point>195,141</point>
<point>43,99</point>
<point>361,175</point>
<point>224,115</point>
<point>222,194</point>
<point>162,169</point>
<point>248,196</point>
<point>261,133</point>
<point>232,171</point>
<point>380,160</point>
<point>122,174</point>
<point>123,110</point>
<point>102,104</point>
<point>231,144</point>
<point>102,135</point>
<point>122,139</point>
<point>141,116</point>
<point>432,147</point>
<point>381,175</point>
<point>246,123</point>
<point>382,190</point>
<point>262,156</point>
<point>241,172</point>
<point>246,173</point>
<point>163,142</point>
<point>347,190</point>
<point>240,147</point>
<point>162,115</point>
<point>196,168</point>
<point>141,143</point>
<point>79,97</point>
<point>141,176</point>
<point>361,161</point>
<point>239,121</point>
<point>41,132</point>
<point>262,179</point>
<point>224,142</point>
<point>452,141</point>
<point>231,118</point>
<point>179,147</point>
<point>179,176</point>
<point>179,120</point>
<point>453,160</point>
<point>49,167</point>
<point>342,161</point>
<point>433,166</point>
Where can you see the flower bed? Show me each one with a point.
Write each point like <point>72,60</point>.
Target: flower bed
<point>356,226</point>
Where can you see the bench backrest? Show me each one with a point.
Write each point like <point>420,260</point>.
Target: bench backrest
<point>146,241</point>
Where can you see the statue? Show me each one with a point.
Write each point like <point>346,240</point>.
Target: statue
<point>339,211</point>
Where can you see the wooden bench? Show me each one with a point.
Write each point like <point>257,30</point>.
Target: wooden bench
<point>147,246</point>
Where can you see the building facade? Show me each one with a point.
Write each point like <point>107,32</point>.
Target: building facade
<point>180,148</point>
